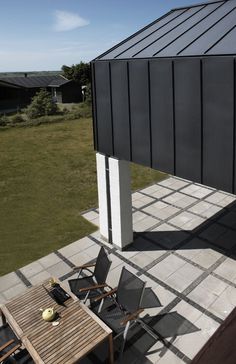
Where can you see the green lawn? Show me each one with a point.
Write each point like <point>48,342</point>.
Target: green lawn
<point>47,178</point>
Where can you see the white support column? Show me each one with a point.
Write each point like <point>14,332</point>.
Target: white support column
<point>121,203</point>
<point>102,195</point>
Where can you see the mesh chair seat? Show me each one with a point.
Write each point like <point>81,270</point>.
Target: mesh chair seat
<point>84,282</point>
<point>111,315</point>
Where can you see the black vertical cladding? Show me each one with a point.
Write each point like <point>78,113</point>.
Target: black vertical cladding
<point>162,115</point>
<point>139,112</point>
<point>234,136</point>
<point>218,122</point>
<point>94,107</point>
<point>103,108</point>
<point>120,108</point>
<point>187,77</point>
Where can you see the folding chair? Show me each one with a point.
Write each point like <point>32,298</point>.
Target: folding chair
<point>120,308</point>
<point>91,285</point>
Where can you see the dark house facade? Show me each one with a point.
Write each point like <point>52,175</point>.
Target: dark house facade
<point>165,97</point>
<point>16,92</point>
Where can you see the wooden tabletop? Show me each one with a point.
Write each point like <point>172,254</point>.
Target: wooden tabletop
<point>78,332</point>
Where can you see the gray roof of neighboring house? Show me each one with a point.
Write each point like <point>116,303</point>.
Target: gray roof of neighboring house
<point>196,30</point>
<point>59,81</point>
<point>35,81</point>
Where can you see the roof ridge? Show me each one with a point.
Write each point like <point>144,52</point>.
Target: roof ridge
<point>200,4</point>
<point>63,77</point>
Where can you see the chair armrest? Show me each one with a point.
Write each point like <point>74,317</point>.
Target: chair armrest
<point>111,292</point>
<point>4,346</point>
<point>84,266</point>
<point>10,352</point>
<point>96,286</point>
<point>131,317</point>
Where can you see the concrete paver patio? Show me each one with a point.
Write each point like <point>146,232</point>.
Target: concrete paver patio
<point>184,248</point>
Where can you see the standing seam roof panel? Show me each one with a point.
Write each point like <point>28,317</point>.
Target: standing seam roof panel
<point>165,31</point>
<point>177,32</point>
<point>227,44</point>
<point>159,23</point>
<point>202,44</point>
<point>195,30</point>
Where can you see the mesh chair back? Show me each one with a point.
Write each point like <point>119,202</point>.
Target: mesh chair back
<point>102,267</point>
<point>130,291</point>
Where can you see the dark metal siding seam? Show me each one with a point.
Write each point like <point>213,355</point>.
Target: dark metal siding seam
<point>94,108</point>
<point>202,136</point>
<point>130,131</point>
<point>212,26</point>
<point>186,31</point>
<point>173,96</point>
<point>112,127</point>
<point>132,36</point>
<point>150,112</point>
<point>168,31</point>
<point>234,137</point>
<point>223,36</point>
<point>150,34</point>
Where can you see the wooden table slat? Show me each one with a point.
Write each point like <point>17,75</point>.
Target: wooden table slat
<point>62,334</point>
<point>58,351</point>
<point>46,327</point>
<point>84,350</point>
<point>61,355</point>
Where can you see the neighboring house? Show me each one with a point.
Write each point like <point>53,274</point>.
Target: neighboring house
<point>16,92</point>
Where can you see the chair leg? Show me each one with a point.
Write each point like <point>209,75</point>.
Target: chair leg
<point>124,341</point>
<point>149,330</point>
<point>100,306</point>
<point>79,273</point>
<point>86,297</point>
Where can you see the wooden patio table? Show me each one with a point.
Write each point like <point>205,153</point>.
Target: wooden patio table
<point>78,333</point>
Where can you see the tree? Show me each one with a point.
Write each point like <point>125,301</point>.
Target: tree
<point>80,73</point>
<point>42,104</point>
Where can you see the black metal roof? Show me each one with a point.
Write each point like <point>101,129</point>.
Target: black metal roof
<point>35,81</point>
<point>59,81</point>
<point>196,30</point>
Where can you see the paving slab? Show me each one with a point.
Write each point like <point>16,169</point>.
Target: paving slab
<point>191,343</point>
<point>80,258</point>
<point>58,270</point>
<point>90,215</point>
<point>32,269</point>
<point>227,269</point>
<point>40,277</point>
<point>76,247</point>
<point>9,280</point>
<point>49,260</point>
<point>14,291</point>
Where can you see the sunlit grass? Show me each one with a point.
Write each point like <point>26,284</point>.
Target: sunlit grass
<point>47,178</point>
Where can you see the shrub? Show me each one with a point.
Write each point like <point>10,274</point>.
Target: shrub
<point>88,94</point>
<point>42,104</point>
<point>3,120</point>
<point>73,115</point>
<point>65,110</point>
<point>17,119</point>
